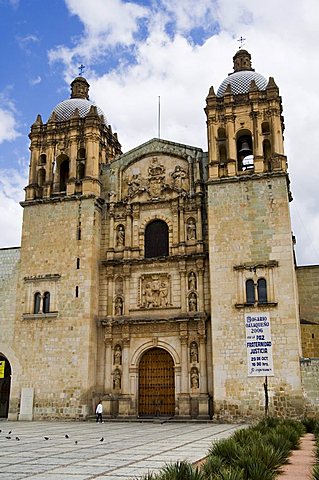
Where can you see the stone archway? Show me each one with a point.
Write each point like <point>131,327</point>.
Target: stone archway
<point>156,384</point>
<point>5,384</point>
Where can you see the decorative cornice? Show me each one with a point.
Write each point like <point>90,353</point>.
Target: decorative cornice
<point>41,278</point>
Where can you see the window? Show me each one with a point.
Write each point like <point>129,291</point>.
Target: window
<point>262,290</point>
<point>37,302</point>
<point>156,239</point>
<point>245,158</point>
<point>250,291</point>
<point>78,263</point>
<point>64,175</point>
<point>76,291</point>
<point>46,302</point>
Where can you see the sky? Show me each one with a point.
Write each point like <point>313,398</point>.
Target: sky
<point>136,51</point>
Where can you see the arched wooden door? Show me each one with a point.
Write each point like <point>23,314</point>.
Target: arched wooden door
<point>5,384</point>
<point>156,384</point>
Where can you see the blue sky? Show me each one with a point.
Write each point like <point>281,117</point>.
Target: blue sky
<point>134,52</point>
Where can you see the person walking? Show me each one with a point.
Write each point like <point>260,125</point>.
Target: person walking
<point>99,411</point>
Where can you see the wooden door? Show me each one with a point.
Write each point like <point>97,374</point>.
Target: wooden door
<point>156,384</point>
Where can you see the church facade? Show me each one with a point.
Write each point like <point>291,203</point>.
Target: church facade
<point>162,280</point>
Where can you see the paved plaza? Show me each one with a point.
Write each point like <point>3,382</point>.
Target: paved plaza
<point>108,451</point>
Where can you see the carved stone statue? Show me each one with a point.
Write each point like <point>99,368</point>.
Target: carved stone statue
<point>193,352</point>
<point>148,299</point>
<point>134,185</point>
<point>163,294</point>
<point>117,379</point>
<point>179,176</point>
<point>194,378</point>
<point>191,229</point>
<point>192,302</point>
<point>118,306</point>
<point>192,281</point>
<point>117,355</point>
<point>120,236</point>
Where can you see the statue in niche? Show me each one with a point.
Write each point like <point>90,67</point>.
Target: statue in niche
<point>192,281</point>
<point>117,355</point>
<point>194,378</point>
<point>120,236</point>
<point>192,302</point>
<point>163,294</point>
<point>193,352</point>
<point>191,229</point>
<point>179,176</point>
<point>118,307</point>
<point>117,379</point>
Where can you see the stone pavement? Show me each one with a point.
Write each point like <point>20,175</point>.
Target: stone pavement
<point>129,449</point>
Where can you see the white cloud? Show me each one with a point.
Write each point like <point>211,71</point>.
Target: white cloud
<point>8,125</point>
<point>11,192</point>
<point>282,38</point>
<point>35,81</point>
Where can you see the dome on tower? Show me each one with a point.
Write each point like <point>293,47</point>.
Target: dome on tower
<point>242,76</point>
<point>79,100</point>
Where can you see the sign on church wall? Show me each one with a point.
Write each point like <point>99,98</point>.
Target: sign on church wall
<point>2,366</point>
<point>259,345</point>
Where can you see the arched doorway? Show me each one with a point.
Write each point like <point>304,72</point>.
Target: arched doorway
<point>5,383</point>
<point>156,384</point>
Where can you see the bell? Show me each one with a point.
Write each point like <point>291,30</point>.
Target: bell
<point>245,150</point>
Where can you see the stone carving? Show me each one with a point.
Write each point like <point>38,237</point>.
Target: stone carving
<point>192,302</point>
<point>156,177</point>
<point>194,378</point>
<point>134,185</point>
<point>179,177</point>
<point>120,236</point>
<point>117,355</point>
<point>191,229</point>
<point>118,306</point>
<point>193,351</point>
<point>154,291</point>
<point>192,281</point>
<point>117,379</point>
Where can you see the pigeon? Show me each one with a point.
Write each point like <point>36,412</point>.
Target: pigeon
<point>17,438</point>
<point>66,435</point>
<point>8,438</point>
<point>9,433</point>
<point>102,439</point>
<point>76,442</point>
<point>46,438</point>
<point>0,430</point>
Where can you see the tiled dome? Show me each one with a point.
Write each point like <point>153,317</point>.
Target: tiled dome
<point>64,110</point>
<point>240,82</point>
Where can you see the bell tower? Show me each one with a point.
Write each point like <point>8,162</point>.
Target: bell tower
<point>58,288</point>
<point>252,271</point>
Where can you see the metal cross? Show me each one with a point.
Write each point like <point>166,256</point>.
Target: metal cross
<point>81,69</point>
<point>241,40</point>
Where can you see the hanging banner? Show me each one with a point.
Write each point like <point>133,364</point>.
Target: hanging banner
<point>259,345</point>
<point>2,366</point>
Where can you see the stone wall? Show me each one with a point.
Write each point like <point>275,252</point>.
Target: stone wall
<point>310,383</point>
<point>309,340</point>
<point>9,265</point>
<point>308,288</point>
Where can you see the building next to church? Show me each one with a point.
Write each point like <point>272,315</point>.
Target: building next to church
<point>162,280</point>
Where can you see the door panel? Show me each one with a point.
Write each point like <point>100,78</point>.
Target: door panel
<point>156,384</point>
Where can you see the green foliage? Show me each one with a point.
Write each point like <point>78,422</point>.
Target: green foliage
<point>315,472</point>
<point>181,471</point>
<point>229,473</point>
<point>311,425</point>
<point>229,450</point>
<point>212,465</point>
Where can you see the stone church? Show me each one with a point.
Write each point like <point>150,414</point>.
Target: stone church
<point>161,281</point>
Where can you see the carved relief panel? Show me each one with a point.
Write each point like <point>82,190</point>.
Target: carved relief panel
<point>155,178</point>
<point>155,291</point>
